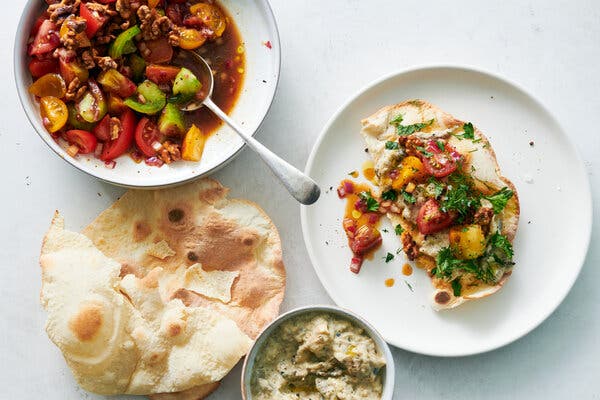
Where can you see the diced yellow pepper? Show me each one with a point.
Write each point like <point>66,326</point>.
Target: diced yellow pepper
<point>411,169</point>
<point>193,144</point>
<point>468,241</point>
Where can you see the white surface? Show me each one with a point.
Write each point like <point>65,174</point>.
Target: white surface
<point>255,22</point>
<point>485,324</point>
<point>330,49</point>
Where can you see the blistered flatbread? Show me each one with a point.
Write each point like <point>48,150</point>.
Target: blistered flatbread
<point>480,163</point>
<point>118,335</point>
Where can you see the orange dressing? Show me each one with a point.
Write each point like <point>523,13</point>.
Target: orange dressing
<point>407,269</point>
<point>389,282</point>
<point>369,170</point>
<point>359,218</point>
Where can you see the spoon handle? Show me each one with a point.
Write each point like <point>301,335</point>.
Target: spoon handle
<point>300,186</point>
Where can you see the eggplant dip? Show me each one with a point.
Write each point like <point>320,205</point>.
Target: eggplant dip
<point>318,356</point>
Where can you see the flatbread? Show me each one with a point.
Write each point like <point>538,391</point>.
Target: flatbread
<point>117,334</point>
<point>200,225</point>
<point>481,162</point>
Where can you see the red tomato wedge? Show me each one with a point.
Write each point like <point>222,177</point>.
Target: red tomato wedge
<point>146,134</point>
<point>46,39</point>
<point>38,22</point>
<point>431,219</point>
<point>121,144</point>
<point>85,140</point>
<point>102,130</point>
<point>160,74</point>
<point>39,68</point>
<point>93,20</point>
<point>161,51</point>
<point>440,163</point>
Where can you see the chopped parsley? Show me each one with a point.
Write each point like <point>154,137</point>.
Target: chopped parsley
<point>389,257</point>
<point>408,197</point>
<point>405,130</point>
<point>390,195</point>
<point>408,285</point>
<point>499,199</point>
<point>456,287</point>
<point>460,197</point>
<point>498,255</point>
<point>398,229</point>
<point>392,145</point>
<point>423,151</point>
<point>370,202</point>
<point>441,145</point>
<point>438,187</point>
<point>469,131</point>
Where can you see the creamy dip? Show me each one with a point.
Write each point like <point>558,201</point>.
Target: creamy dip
<point>318,356</point>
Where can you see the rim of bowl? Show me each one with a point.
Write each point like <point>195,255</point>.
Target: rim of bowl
<point>19,62</point>
<point>388,384</point>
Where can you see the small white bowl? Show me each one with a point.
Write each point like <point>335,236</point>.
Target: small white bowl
<point>257,26</point>
<point>388,372</point>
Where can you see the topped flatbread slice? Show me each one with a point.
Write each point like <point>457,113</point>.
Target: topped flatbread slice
<point>440,184</point>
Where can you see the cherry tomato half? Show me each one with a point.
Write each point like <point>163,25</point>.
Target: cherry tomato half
<point>121,144</point>
<point>160,74</point>
<point>190,39</point>
<point>431,219</point>
<point>441,162</point>
<point>49,85</point>
<point>46,39</point>
<point>146,134</point>
<point>54,113</point>
<point>93,20</point>
<point>85,140</point>
<point>38,67</point>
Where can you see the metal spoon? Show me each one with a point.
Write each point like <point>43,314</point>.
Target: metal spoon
<point>300,186</point>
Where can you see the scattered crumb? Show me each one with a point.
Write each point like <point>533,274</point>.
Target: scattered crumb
<point>528,222</point>
<point>531,143</point>
<point>326,243</point>
<point>99,194</point>
<point>264,81</point>
<point>27,180</point>
<point>492,97</point>
<point>366,150</point>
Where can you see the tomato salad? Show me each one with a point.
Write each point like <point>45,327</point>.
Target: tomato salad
<point>430,187</point>
<point>111,80</point>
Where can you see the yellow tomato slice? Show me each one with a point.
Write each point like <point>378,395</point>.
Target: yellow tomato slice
<point>54,113</point>
<point>211,16</point>
<point>49,85</point>
<point>193,144</point>
<point>190,39</point>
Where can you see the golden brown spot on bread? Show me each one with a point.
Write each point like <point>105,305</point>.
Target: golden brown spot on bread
<point>174,330</point>
<point>86,324</point>
<point>211,196</point>
<point>176,215</point>
<point>150,281</point>
<point>141,230</point>
<point>192,256</point>
<point>442,297</point>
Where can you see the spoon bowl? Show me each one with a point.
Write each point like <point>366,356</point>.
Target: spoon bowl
<point>298,184</point>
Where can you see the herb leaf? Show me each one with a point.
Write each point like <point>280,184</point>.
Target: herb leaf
<point>469,131</point>
<point>405,130</point>
<point>440,144</point>
<point>389,257</point>
<point>397,120</point>
<point>392,145</point>
<point>423,151</point>
<point>371,203</point>
<point>499,199</point>
<point>456,287</point>
<point>438,187</point>
<point>390,195</point>
<point>398,229</point>
<point>408,197</point>
<point>460,197</point>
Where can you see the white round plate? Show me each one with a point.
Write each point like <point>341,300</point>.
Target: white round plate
<point>550,246</point>
<point>257,26</point>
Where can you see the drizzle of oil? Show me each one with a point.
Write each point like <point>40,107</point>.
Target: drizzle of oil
<point>389,282</point>
<point>368,170</point>
<point>407,269</point>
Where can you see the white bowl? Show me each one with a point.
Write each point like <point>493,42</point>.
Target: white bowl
<point>388,372</point>
<point>256,24</point>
